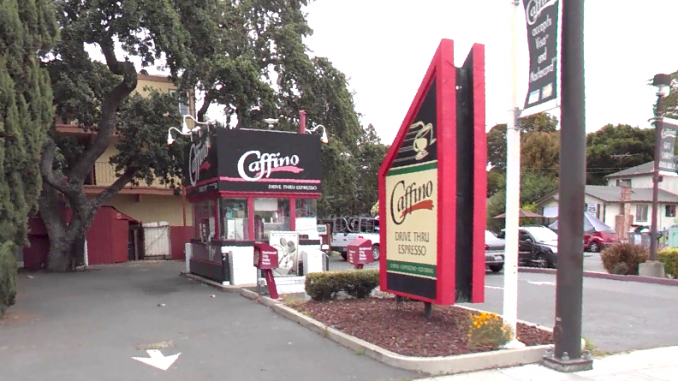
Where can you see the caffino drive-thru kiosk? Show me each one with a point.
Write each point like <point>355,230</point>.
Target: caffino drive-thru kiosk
<point>250,186</point>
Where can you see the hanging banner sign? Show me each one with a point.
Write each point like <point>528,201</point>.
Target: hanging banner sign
<point>541,17</point>
<point>667,144</point>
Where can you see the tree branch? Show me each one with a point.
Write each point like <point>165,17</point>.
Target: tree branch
<point>46,163</point>
<point>114,188</point>
<point>206,104</point>
<point>109,108</point>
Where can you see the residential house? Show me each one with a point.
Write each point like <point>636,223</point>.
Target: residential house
<point>605,201</point>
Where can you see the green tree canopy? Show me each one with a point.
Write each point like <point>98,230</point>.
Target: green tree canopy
<point>26,28</point>
<point>614,148</point>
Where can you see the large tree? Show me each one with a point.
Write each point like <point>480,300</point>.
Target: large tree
<point>98,97</point>
<point>614,148</point>
<point>27,27</point>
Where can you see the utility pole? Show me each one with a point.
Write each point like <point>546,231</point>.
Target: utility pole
<point>510,305</point>
<point>567,356</point>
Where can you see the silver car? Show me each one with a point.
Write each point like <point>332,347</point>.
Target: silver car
<point>494,252</point>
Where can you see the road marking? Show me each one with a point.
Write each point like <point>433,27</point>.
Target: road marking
<point>542,283</point>
<point>494,288</point>
<point>157,359</point>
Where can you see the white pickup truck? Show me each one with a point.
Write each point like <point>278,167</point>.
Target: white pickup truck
<point>347,229</point>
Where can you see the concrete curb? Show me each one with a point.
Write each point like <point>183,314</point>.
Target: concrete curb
<point>221,287</point>
<point>431,365</point>
<point>593,274</point>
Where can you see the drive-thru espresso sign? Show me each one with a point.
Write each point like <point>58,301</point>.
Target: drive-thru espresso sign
<point>245,160</point>
<point>432,187</point>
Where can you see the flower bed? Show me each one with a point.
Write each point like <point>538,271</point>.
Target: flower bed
<point>406,330</point>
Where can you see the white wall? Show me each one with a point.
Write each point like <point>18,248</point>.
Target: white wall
<point>669,183</point>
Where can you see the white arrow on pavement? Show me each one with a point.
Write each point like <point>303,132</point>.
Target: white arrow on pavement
<point>157,359</point>
<point>542,283</point>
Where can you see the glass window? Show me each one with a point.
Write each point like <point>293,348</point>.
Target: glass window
<point>641,213</point>
<point>270,214</point>
<point>204,224</point>
<point>233,219</point>
<point>670,211</point>
<point>183,107</point>
<point>307,208</point>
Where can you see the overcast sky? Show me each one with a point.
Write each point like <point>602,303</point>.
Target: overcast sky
<point>385,47</point>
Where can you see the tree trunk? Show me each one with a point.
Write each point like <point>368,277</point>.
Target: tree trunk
<point>66,240</point>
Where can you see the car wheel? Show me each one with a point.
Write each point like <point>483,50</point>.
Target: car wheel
<point>343,255</point>
<point>375,252</point>
<point>496,268</point>
<point>594,247</point>
<point>540,261</point>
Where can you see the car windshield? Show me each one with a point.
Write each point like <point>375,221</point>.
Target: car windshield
<point>542,234</point>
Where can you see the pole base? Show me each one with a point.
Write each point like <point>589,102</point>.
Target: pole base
<point>654,269</point>
<point>566,364</point>
<point>513,344</point>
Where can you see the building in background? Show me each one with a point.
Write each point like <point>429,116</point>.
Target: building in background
<point>140,221</point>
<point>607,202</point>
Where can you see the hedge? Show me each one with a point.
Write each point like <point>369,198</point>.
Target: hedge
<point>357,283</point>
<point>623,258</point>
<point>669,257</point>
<point>7,276</point>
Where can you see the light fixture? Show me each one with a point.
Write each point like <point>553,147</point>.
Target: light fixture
<point>185,130</point>
<point>271,122</point>
<point>323,138</point>
<point>663,84</point>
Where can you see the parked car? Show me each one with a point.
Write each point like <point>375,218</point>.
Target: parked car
<point>347,229</point>
<point>494,252</point>
<point>537,246</point>
<point>597,235</point>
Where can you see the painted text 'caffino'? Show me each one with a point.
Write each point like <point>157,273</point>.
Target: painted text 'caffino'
<point>407,199</point>
<point>196,156</point>
<point>253,165</point>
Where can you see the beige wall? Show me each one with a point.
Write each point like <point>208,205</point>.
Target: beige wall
<point>153,208</point>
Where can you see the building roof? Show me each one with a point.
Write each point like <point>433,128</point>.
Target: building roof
<point>613,194</point>
<point>643,169</point>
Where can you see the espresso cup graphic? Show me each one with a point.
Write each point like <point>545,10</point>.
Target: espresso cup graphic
<point>420,145</point>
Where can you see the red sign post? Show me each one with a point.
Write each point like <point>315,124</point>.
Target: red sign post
<point>266,259</point>
<point>359,253</point>
<point>432,187</point>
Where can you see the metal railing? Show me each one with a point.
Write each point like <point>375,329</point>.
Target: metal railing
<point>104,174</point>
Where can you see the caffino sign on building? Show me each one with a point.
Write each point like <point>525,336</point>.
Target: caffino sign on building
<point>432,186</point>
<point>244,160</point>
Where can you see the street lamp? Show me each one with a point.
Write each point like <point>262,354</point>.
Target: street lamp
<point>185,130</point>
<point>323,138</point>
<point>663,84</point>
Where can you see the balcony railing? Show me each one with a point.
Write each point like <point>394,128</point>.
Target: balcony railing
<point>104,174</point>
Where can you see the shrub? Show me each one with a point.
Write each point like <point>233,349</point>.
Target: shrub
<point>627,253</point>
<point>326,285</point>
<point>669,257</point>
<point>7,276</point>
<point>487,330</point>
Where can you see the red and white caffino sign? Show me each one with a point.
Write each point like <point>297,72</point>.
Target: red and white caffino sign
<point>197,157</point>
<point>254,165</point>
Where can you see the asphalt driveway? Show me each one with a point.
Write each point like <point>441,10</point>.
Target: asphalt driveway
<point>89,325</point>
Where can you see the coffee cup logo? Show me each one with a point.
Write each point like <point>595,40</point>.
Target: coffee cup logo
<point>421,141</point>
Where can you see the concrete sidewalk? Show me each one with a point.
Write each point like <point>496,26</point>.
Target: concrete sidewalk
<point>659,364</point>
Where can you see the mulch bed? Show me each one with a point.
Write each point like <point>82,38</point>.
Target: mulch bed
<point>407,331</point>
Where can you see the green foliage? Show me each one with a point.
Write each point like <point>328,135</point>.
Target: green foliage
<point>496,181</point>
<point>487,330</point>
<point>669,257</point>
<point>496,138</point>
<point>623,258</point>
<point>26,27</point>
<point>7,276</point>
<point>614,148</point>
<point>356,283</point>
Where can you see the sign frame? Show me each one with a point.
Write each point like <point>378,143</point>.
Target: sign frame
<point>460,274</point>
